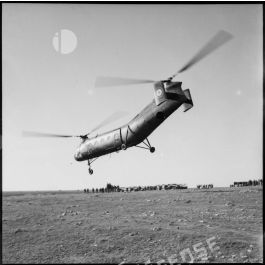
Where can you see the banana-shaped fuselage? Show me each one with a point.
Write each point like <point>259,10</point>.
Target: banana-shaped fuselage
<point>168,98</point>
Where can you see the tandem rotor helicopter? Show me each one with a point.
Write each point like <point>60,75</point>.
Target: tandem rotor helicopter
<point>168,97</point>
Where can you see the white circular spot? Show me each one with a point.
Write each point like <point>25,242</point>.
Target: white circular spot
<point>159,92</point>
<point>64,41</point>
<point>90,92</point>
<point>238,92</point>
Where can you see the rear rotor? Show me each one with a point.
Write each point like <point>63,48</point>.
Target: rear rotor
<point>214,43</point>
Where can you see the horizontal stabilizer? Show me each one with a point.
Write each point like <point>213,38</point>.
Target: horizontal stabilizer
<point>189,103</point>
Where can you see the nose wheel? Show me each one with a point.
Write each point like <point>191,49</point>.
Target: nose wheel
<point>89,162</point>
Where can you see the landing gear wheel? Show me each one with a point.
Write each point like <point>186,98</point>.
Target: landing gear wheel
<point>90,170</point>
<point>152,149</point>
<point>123,146</point>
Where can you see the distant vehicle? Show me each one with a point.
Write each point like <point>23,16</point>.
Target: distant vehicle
<point>248,183</point>
<point>168,97</point>
<point>208,186</point>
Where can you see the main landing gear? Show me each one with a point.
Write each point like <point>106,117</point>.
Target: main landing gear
<point>123,147</point>
<point>152,149</point>
<point>147,143</point>
<point>147,146</point>
<point>89,162</point>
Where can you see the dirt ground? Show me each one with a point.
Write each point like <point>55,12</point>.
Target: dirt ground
<point>217,225</point>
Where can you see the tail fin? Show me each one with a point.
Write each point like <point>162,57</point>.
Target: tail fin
<point>189,103</point>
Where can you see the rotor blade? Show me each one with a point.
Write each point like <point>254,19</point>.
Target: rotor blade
<point>217,41</point>
<point>39,134</point>
<point>113,117</point>
<point>104,81</point>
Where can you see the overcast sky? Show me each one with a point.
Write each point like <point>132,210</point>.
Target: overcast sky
<point>218,141</point>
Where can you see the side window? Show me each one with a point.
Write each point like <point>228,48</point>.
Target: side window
<point>140,122</point>
<point>116,136</point>
<point>90,148</point>
<point>109,141</point>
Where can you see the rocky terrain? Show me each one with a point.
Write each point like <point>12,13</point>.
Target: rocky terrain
<point>217,225</point>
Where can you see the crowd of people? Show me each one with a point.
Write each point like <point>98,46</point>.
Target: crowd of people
<point>108,188</point>
<point>113,188</point>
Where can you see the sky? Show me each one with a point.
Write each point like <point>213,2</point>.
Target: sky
<point>47,88</point>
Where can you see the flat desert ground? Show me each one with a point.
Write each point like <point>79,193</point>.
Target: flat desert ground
<point>216,225</point>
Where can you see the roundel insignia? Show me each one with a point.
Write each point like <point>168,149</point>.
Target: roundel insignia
<point>159,92</point>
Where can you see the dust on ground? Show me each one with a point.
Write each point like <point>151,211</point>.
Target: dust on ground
<point>217,225</point>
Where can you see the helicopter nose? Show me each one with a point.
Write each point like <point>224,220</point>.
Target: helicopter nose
<point>77,156</point>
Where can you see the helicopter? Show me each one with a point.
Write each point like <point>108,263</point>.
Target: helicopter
<point>168,97</point>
